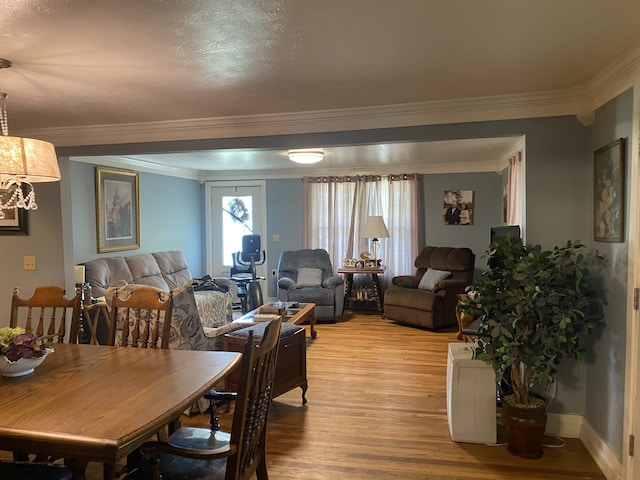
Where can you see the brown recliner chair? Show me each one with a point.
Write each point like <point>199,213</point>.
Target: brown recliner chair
<point>428,299</point>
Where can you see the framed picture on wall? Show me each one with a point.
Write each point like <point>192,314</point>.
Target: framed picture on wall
<point>457,208</point>
<point>117,210</point>
<point>15,221</point>
<point>609,192</point>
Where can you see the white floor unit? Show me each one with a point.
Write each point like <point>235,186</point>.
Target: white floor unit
<point>471,396</point>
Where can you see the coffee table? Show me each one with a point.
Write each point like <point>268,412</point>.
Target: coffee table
<point>295,315</point>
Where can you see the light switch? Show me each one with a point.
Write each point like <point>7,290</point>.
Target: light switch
<point>276,238</point>
<point>29,263</point>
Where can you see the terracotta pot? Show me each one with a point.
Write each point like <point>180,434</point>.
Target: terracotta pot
<point>525,425</point>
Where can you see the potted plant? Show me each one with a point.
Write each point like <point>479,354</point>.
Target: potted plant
<point>537,307</point>
<point>20,351</point>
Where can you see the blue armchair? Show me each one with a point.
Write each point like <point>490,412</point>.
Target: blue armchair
<point>307,276</point>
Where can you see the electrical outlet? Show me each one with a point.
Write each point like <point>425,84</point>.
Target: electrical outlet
<point>29,262</point>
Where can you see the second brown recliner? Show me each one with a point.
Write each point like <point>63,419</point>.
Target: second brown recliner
<point>428,299</point>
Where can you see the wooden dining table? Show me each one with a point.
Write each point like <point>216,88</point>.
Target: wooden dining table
<point>100,403</point>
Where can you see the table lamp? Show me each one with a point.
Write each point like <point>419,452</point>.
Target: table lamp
<point>375,229</point>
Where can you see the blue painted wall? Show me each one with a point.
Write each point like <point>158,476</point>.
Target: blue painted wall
<point>171,216</point>
<point>606,365</point>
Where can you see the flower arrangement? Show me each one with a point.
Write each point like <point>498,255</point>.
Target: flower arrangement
<point>17,343</point>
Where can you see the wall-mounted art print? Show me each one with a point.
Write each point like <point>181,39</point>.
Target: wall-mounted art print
<point>117,210</point>
<point>609,192</point>
<point>14,222</point>
<point>457,207</point>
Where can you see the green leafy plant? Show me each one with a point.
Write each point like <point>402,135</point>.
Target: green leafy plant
<point>537,308</point>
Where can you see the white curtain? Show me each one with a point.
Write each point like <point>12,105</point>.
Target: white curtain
<point>515,194</point>
<point>337,209</point>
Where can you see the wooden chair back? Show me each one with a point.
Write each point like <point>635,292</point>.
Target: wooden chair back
<point>97,324</point>
<point>140,316</point>
<point>47,313</point>
<point>249,428</point>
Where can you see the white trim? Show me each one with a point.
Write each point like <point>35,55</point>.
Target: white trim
<point>503,107</point>
<point>563,425</point>
<point>575,426</point>
<point>601,453</point>
<point>209,186</point>
<point>615,79</point>
<point>128,162</point>
<point>631,418</point>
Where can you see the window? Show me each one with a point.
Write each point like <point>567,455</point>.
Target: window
<point>338,208</point>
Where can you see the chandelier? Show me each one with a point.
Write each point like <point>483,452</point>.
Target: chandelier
<point>23,161</point>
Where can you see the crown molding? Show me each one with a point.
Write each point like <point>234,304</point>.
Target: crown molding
<point>619,76</point>
<point>131,163</point>
<point>504,107</point>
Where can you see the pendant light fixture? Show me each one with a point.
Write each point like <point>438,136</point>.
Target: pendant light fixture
<point>23,161</point>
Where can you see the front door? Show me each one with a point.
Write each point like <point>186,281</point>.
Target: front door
<point>234,209</point>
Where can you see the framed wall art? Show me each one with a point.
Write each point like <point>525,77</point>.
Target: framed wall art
<point>457,208</point>
<point>15,222</point>
<point>117,210</point>
<point>609,192</point>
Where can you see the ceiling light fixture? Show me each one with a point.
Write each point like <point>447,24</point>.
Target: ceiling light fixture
<point>23,161</point>
<point>306,156</point>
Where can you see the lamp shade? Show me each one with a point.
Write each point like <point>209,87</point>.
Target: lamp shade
<point>375,228</point>
<point>29,159</point>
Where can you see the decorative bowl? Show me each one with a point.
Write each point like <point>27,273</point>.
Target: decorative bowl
<point>21,367</point>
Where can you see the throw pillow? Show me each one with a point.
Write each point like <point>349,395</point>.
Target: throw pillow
<point>309,277</point>
<point>431,277</point>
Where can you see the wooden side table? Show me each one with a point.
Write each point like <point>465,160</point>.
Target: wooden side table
<point>464,319</point>
<point>351,299</point>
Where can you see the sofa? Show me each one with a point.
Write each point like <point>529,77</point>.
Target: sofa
<point>428,299</point>
<point>165,270</point>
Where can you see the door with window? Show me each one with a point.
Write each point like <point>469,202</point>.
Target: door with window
<point>234,209</point>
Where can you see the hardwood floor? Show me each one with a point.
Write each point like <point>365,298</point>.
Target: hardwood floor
<point>377,409</point>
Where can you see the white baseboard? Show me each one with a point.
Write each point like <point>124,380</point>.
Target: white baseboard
<point>602,454</point>
<point>575,426</point>
<point>564,425</point>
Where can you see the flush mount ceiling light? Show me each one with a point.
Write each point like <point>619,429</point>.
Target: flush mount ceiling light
<point>23,161</point>
<point>306,156</point>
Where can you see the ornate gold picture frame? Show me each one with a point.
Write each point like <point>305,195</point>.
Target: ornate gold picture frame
<point>609,192</point>
<point>117,210</point>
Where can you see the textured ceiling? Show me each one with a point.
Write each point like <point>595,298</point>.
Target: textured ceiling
<point>117,62</point>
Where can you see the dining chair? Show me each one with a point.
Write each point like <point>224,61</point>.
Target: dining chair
<point>96,324</point>
<point>140,316</point>
<point>46,313</point>
<point>206,453</point>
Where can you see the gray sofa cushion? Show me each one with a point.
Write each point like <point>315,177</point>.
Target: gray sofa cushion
<point>103,273</point>
<point>145,271</point>
<point>174,268</point>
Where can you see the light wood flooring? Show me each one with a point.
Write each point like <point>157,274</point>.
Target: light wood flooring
<point>377,410</point>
